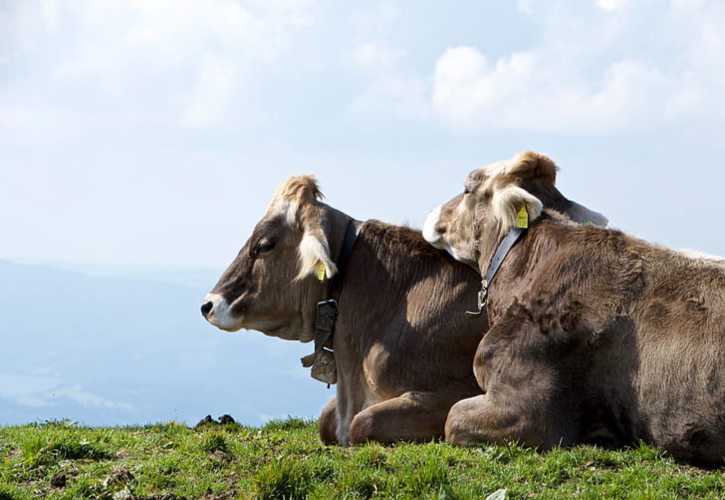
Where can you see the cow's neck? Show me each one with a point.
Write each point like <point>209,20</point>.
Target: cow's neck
<point>397,254</point>
<point>517,270</point>
<point>322,360</point>
<point>387,263</point>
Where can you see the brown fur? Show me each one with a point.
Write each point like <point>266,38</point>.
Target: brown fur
<point>596,336</point>
<point>533,165</point>
<point>402,344</point>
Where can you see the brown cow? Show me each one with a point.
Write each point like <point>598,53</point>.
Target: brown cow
<point>595,335</point>
<point>402,344</point>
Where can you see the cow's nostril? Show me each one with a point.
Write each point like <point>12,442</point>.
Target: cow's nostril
<point>206,309</point>
<point>440,229</point>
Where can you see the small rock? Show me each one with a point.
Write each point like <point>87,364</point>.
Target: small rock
<point>498,495</point>
<point>59,480</point>
<point>206,421</point>
<point>121,477</point>
<point>124,494</point>
<point>222,456</point>
<point>123,454</point>
<point>227,420</point>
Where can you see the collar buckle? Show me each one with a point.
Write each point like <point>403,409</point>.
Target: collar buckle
<point>482,296</point>
<point>496,261</point>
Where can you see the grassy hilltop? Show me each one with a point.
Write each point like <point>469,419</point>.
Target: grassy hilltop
<point>286,460</point>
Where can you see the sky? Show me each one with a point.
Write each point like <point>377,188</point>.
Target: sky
<point>145,138</point>
<point>152,133</point>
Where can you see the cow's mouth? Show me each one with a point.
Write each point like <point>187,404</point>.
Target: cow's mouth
<point>232,318</point>
<point>215,310</point>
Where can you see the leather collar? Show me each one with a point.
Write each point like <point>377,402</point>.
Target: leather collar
<point>322,360</point>
<point>493,267</point>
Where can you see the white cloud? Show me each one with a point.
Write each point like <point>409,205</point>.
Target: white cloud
<point>525,6</point>
<point>388,89</point>
<point>46,391</point>
<point>50,13</point>
<point>86,399</point>
<point>212,90</point>
<point>190,62</point>
<point>14,117</point>
<point>525,91</point>
<point>375,57</point>
<point>26,387</point>
<point>592,70</point>
<point>612,5</point>
<point>404,96</point>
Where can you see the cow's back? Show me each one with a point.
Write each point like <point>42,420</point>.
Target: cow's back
<point>681,354</point>
<point>650,329</point>
<point>408,325</point>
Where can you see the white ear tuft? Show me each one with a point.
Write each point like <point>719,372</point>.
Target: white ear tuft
<point>507,203</point>
<point>314,251</point>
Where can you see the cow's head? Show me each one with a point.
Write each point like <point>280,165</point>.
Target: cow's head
<point>274,283</point>
<point>492,198</point>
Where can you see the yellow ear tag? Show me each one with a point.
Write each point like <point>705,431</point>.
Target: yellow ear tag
<point>321,272</point>
<point>522,218</point>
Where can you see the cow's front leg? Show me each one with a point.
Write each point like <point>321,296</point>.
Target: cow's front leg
<point>481,420</point>
<point>528,390</point>
<point>413,416</point>
<point>328,423</point>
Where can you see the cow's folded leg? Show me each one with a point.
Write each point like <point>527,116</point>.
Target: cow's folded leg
<point>484,419</point>
<point>413,416</point>
<point>328,423</point>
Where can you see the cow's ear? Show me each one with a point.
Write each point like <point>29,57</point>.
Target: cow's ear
<point>583,215</point>
<point>507,205</point>
<point>314,257</point>
<point>531,165</point>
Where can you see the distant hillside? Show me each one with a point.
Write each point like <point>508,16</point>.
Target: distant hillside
<point>112,350</point>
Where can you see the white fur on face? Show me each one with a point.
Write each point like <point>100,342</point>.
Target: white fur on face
<point>219,315</point>
<point>496,168</point>
<point>439,241</point>
<point>312,251</point>
<point>507,202</point>
<point>430,233</point>
<point>284,207</point>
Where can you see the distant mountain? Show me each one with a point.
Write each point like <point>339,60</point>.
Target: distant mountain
<point>115,350</point>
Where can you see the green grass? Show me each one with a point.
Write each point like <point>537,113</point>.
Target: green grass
<point>286,460</point>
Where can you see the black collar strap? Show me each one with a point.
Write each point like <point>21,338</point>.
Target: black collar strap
<point>501,252</point>
<point>322,360</point>
<point>335,285</point>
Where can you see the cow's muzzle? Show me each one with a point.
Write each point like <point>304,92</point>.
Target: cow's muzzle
<point>215,310</point>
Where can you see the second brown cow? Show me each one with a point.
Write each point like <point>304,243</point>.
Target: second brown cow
<point>595,335</point>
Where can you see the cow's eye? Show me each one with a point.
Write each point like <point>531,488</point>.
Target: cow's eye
<point>265,246</point>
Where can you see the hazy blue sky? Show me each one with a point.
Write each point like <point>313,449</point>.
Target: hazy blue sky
<point>153,133</point>
<point>148,136</point>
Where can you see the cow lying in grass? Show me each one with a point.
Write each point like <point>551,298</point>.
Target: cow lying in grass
<point>402,345</point>
<point>594,334</point>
